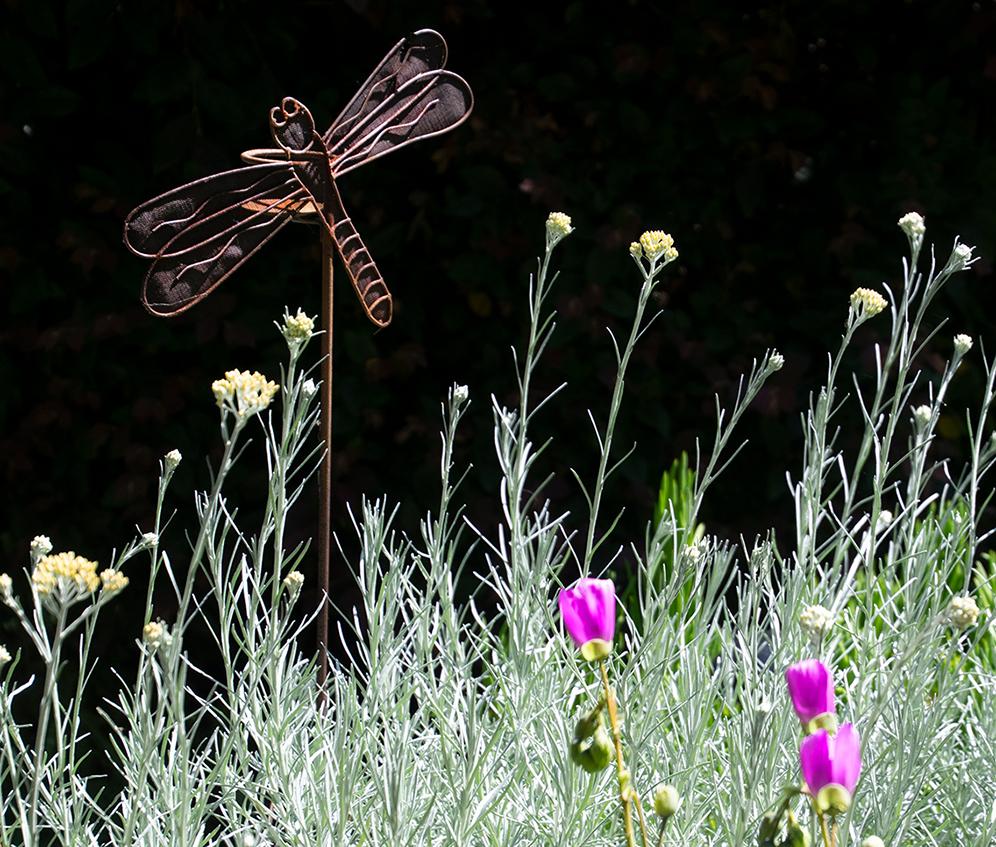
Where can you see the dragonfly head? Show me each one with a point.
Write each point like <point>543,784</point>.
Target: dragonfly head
<point>292,126</point>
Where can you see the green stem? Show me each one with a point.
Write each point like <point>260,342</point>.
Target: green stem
<point>624,789</point>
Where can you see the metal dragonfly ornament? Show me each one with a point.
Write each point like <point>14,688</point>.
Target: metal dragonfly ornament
<point>199,234</point>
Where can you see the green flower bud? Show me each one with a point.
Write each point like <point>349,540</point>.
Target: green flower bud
<point>795,835</point>
<point>667,801</point>
<point>594,752</point>
<point>834,799</point>
<point>769,829</point>
<point>873,841</point>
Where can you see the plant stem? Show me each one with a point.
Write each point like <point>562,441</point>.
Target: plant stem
<point>624,789</point>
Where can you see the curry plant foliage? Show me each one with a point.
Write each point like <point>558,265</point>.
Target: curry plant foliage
<point>462,720</point>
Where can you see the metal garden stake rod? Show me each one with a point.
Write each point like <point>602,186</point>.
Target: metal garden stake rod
<point>199,234</point>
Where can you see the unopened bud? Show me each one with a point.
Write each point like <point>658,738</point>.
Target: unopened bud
<point>873,841</point>
<point>827,721</point>
<point>667,801</point>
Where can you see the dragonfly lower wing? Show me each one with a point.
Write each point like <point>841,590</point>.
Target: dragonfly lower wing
<point>177,281</point>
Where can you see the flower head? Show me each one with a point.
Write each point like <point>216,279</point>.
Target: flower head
<point>309,388</point>
<point>872,841</point>
<point>866,303</point>
<point>776,361</point>
<point>148,539</point>
<point>4,655</point>
<point>810,686</point>
<point>831,765</point>
<point>656,243</point>
<point>816,621</point>
<point>243,393</point>
<point>963,612</point>
<point>962,344</point>
<point>589,612</point>
<point>922,416</point>
<point>913,225</point>
<point>6,587</point>
<point>558,227</point>
<point>460,394</point>
<point>635,250</point>
<point>66,575</point>
<point>113,581</point>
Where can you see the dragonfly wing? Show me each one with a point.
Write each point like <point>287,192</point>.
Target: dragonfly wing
<point>428,104</point>
<point>419,52</point>
<point>203,208</point>
<point>178,280</point>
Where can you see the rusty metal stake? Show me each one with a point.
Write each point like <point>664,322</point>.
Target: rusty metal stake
<point>325,476</point>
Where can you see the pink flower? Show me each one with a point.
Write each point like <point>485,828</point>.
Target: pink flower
<point>810,686</point>
<point>589,612</point>
<point>834,761</point>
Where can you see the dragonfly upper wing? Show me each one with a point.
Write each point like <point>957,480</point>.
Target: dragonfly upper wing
<point>419,52</point>
<point>426,105</point>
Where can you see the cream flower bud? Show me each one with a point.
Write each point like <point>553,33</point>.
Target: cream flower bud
<point>884,519</point>
<point>113,581</point>
<point>635,250</point>
<point>776,361</point>
<point>41,545</point>
<point>293,581</point>
<point>667,801</point>
<point>156,635</point>
<point>6,586</point>
<point>171,460</point>
<point>4,655</point>
<point>309,388</point>
<point>913,225</point>
<point>148,539</point>
<point>460,394</point>
<point>872,841</point>
<point>961,257</point>
<point>962,344</point>
<point>243,393</point>
<point>866,303</point>
<point>922,416</point>
<point>963,612</point>
<point>816,621</point>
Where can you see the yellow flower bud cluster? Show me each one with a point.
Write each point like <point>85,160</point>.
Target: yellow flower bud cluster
<point>655,243</point>
<point>155,634</point>
<point>867,302</point>
<point>558,225</point>
<point>963,612</point>
<point>113,581</point>
<point>65,571</point>
<point>298,327</point>
<point>244,393</point>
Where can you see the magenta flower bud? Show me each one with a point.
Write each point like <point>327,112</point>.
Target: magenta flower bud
<point>589,612</point>
<point>831,765</point>
<point>810,686</point>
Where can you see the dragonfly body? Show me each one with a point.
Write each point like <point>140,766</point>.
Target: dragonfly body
<point>199,234</point>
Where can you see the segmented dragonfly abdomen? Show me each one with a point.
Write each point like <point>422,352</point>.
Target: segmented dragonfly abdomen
<point>363,273</point>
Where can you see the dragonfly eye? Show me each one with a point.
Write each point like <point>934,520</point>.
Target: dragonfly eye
<point>290,106</point>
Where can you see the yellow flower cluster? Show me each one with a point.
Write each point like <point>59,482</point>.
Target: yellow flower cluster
<point>558,225</point>
<point>244,393</point>
<point>298,327</point>
<point>653,244</point>
<point>65,570</point>
<point>867,302</point>
<point>113,581</point>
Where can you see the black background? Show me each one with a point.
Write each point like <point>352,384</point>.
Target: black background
<point>778,142</point>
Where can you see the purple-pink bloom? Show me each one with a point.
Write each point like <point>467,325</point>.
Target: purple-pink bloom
<point>589,611</point>
<point>810,686</point>
<point>831,759</point>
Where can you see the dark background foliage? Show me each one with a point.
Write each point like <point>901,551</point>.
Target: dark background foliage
<point>778,142</point>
